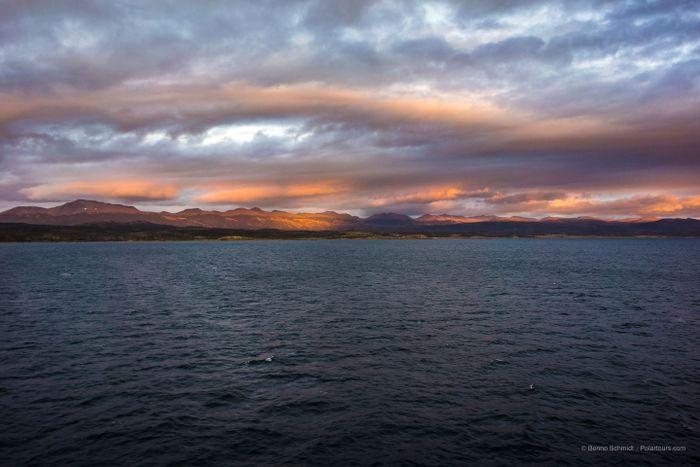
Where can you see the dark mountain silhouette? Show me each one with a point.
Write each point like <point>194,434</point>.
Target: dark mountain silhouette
<point>389,220</point>
<point>87,212</point>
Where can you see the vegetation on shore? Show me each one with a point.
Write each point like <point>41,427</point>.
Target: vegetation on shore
<point>108,232</point>
<point>113,232</point>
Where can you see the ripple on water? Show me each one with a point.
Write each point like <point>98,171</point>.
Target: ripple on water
<point>321,353</point>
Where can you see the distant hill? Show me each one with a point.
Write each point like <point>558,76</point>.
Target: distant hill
<point>88,212</point>
<point>108,216</point>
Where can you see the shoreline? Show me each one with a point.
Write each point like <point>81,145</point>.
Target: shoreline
<point>381,238</point>
<point>143,232</point>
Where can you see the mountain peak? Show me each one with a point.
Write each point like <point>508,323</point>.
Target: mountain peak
<point>86,206</point>
<point>190,211</point>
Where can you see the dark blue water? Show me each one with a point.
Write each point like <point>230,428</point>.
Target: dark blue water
<point>434,352</point>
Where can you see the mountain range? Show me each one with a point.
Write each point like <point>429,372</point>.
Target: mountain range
<point>82,212</point>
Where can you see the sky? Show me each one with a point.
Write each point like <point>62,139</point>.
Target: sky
<point>578,108</point>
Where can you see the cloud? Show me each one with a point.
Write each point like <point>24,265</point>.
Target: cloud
<point>115,190</point>
<point>195,109</point>
<point>402,104</point>
<point>658,205</point>
<point>585,204</point>
<point>270,193</point>
<point>430,195</point>
<point>525,198</point>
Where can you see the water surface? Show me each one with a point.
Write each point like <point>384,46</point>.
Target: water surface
<point>434,352</point>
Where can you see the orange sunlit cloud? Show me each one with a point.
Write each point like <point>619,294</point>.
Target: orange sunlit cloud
<point>429,195</point>
<point>653,205</point>
<point>124,190</point>
<point>266,192</point>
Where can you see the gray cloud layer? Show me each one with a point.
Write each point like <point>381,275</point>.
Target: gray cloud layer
<point>498,106</point>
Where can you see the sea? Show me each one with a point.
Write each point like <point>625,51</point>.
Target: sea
<point>351,352</point>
